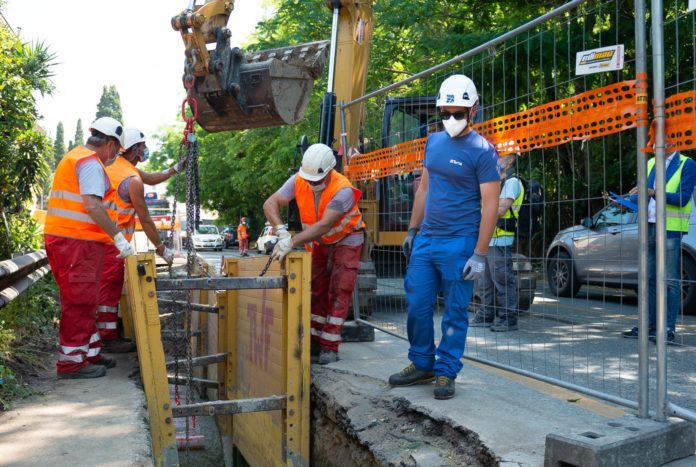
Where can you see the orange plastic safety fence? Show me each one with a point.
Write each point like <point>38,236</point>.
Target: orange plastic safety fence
<point>588,115</point>
<point>680,123</point>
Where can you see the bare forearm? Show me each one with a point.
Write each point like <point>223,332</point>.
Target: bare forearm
<point>154,178</point>
<point>151,231</point>
<point>489,217</point>
<point>312,233</point>
<point>418,209</point>
<point>271,209</point>
<point>101,218</point>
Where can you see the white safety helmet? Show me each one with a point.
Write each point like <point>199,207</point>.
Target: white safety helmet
<point>109,127</point>
<point>457,91</point>
<point>317,162</point>
<point>131,137</point>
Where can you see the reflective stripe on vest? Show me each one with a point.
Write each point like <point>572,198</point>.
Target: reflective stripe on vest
<point>66,215</point>
<point>513,211</point>
<point>348,223</point>
<point>120,170</point>
<point>677,217</point>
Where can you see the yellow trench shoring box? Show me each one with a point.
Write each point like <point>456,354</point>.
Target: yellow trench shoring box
<point>265,334</point>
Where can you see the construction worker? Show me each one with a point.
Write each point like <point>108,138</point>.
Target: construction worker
<point>332,229</point>
<point>80,222</point>
<point>680,179</point>
<point>129,197</point>
<point>243,237</point>
<point>454,215</point>
<point>499,282</point>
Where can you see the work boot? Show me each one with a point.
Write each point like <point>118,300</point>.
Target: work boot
<point>106,362</point>
<point>481,321</point>
<point>118,346</point>
<point>670,338</point>
<point>444,388</point>
<point>410,376</point>
<point>327,356</point>
<point>634,333</point>
<point>504,325</point>
<point>86,372</point>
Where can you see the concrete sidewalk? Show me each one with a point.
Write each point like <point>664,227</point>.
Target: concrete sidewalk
<point>99,421</point>
<point>511,414</point>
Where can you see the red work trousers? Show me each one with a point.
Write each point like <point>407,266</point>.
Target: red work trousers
<point>110,294</point>
<point>77,267</point>
<point>243,246</point>
<point>334,271</point>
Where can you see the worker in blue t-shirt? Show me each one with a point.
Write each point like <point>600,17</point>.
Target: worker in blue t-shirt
<point>454,215</point>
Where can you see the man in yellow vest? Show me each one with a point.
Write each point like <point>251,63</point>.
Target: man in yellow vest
<point>129,197</point>
<point>80,222</point>
<point>332,229</point>
<point>499,282</point>
<point>680,179</point>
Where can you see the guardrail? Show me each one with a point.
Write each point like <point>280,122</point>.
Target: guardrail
<point>18,274</point>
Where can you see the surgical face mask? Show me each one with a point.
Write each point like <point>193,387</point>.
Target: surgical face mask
<point>454,127</point>
<point>145,156</point>
<point>318,188</point>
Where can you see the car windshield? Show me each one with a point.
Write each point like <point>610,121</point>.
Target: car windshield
<point>207,229</point>
<point>613,215</point>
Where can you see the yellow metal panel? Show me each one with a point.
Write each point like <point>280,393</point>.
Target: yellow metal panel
<point>126,316</point>
<point>391,238</point>
<point>140,275</point>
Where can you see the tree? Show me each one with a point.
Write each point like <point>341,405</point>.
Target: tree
<point>58,145</point>
<point>79,135</point>
<point>25,150</point>
<point>109,104</point>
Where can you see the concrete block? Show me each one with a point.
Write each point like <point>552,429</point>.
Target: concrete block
<point>626,441</point>
<point>356,332</point>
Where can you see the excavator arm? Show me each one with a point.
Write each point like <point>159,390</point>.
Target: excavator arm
<point>238,90</point>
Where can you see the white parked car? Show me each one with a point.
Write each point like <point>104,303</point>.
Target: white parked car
<point>266,240</point>
<point>208,236</point>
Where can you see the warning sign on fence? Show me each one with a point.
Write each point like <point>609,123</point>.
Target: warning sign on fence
<point>599,60</point>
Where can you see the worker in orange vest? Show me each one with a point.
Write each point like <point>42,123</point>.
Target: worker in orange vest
<point>333,230</point>
<point>129,197</point>
<point>80,222</point>
<point>243,237</point>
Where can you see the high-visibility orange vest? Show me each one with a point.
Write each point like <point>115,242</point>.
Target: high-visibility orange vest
<point>242,233</point>
<point>66,215</point>
<point>349,222</point>
<point>120,170</point>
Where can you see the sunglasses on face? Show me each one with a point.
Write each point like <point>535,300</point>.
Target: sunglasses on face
<point>458,115</point>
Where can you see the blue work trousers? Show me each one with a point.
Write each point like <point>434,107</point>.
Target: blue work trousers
<point>436,265</point>
<point>673,276</point>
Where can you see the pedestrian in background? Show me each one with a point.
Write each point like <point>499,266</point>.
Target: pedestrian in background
<point>243,237</point>
<point>332,229</point>
<point>80,223</point>
<point>498,284</point>
<point>453,218</point>
<point>129,197</point>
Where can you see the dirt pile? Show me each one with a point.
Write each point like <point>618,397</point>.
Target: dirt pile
<point>356,421</point>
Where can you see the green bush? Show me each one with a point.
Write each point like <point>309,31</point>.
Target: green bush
<point>27,336</point>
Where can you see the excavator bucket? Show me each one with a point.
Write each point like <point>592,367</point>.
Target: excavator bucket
<point>258,89</point>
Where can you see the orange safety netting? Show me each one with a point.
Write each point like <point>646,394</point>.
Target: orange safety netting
<point>680,123</point>
<point>588,115</point>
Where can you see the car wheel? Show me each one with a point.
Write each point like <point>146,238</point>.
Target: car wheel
<point>561,275</point>
<point>688,285</point>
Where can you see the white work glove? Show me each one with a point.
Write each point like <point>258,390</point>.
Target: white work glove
<point>168,255</point>
<point>407,246</point>
<point>180,165</point>
<point>282,231</point>
<point>282,248</point>
<point>474,267</point>
<point>124,248</point>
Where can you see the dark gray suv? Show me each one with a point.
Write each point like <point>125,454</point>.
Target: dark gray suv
<point>604,251</point>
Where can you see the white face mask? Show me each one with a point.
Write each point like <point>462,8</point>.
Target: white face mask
<point>317,188</point>
<point>454,127</point>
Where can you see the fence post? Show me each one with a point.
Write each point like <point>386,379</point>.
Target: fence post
<point>658,53</point>
<point>298,299</point>
<point>140,278</point>
<point>642,183</point>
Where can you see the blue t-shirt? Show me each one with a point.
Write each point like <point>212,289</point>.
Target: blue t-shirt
<point>456,168</point>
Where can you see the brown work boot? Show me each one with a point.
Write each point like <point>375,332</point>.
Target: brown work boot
<point>118,346</point>
<point>86,372</point>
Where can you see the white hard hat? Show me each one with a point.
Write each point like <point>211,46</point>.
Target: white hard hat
<point>131,137</point>
<point>108,126</point>
<point>457,91</point>
<point>317,162</point>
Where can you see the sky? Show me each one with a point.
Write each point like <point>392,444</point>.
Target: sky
<point>127,43</point>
